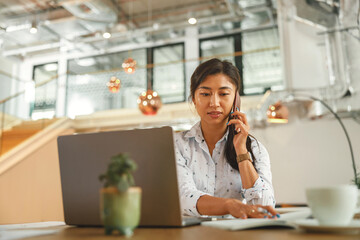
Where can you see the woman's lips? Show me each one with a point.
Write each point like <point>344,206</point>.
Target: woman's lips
<point>214,114</point>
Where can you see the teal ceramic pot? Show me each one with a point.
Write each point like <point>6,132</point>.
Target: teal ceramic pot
<point>120,210</point>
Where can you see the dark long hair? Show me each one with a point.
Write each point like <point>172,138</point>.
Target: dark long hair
<point>212,67</point>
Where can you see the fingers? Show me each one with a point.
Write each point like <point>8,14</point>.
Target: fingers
<point>240,210</point>
<point>236,208</point>
<point>241,215</point>
<point>239,126</point>
<point>264,212</point>
<point>240,122</point>
<point>259,211</point>
<point>241,116</point>
<point>270,209</point>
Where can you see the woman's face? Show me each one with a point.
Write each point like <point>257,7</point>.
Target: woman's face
<point>214,98</point>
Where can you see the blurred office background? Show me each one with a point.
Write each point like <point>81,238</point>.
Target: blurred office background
<point>57,59</point>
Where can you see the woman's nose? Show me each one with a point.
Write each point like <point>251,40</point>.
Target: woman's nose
<point>214,100</point>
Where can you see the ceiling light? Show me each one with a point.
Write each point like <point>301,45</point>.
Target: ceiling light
<point>129,65</point>
<point>14,28</point>
<point>149,102</point>
<point>51,67</point>
<point>33,28</point>
<point>85,62</point>
<point>192,20</point>
<point>106,35</point>
<point>156,26</point>
<point>114,84</point>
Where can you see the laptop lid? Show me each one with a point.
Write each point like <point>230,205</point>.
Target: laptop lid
<point>83,157</point>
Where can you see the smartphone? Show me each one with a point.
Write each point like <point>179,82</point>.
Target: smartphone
<point>236,106</point>
<point>237,102</point>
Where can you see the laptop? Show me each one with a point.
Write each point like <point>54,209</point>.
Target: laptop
<point>83,157</point>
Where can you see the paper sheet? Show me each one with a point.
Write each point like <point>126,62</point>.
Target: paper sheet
<point>19,231</point>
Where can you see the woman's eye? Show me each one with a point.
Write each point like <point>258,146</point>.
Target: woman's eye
<point>205,94</point>
<point>224,94</point>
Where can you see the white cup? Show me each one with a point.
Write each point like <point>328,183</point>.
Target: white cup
<point>333,206</point>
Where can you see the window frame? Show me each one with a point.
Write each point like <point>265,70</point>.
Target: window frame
<point>238,47</point>
<point>32,105</point>
<point>182,44</point>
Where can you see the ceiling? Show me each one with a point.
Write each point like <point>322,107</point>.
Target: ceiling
<point>78,25</point>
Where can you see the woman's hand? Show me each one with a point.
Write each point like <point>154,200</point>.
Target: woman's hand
<point>242,128</point>
<point>240,210</point>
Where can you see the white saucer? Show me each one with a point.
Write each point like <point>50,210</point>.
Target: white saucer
<point>312,225</point>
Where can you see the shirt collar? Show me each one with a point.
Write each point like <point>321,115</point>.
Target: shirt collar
<point>196,132</point>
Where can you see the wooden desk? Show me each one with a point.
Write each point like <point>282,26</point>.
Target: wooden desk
<point>194,232</point>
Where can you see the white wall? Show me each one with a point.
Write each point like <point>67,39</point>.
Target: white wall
<point>309,153</point>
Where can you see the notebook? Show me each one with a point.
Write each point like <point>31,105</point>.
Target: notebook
<point>83,157</point>
<point>285,220</point>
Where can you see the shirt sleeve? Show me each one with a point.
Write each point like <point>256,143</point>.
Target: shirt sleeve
<point>262,192</point>
<point>189,194</point>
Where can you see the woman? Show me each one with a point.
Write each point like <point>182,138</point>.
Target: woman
<point>219,165</point>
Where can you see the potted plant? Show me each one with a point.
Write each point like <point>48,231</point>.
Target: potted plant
<point>120,201</point>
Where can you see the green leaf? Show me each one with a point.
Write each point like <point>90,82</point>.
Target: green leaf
<point>119,172</point>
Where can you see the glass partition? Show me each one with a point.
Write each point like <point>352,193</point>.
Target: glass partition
<point>169,73</point>
<point>255,53</point>
<point>261,61</point>
<point>222,48</point>
<point>87,89</point>
<point>44,104</point>
<point>9,119</point>
<point>5,85</point>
